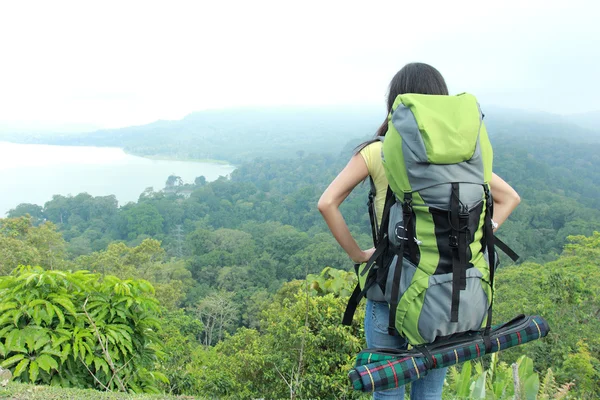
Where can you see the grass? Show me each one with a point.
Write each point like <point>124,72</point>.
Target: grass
<point>21,391</point>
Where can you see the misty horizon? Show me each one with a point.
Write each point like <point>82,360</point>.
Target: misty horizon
<point>165,61</point>
<point>40,128</point>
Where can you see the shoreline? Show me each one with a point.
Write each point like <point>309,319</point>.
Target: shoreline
<point>149,157</point>
<point>171,158</point>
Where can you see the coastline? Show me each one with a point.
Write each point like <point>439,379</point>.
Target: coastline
<point>34,173</point>
<point>149,157</point>
<point>186,159</point>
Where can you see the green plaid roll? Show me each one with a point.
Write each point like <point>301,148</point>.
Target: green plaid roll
<point>380,369</point>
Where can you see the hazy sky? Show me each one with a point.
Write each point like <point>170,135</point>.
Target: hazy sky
<point>119,63</point>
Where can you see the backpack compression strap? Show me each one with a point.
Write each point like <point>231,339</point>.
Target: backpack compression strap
<point>490,241</point>
<point>458,242</point>
<point>406,240</point>
<point>381,247</point>
<point>505,249</point>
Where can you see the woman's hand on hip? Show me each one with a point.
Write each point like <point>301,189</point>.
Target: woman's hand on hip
<point>364,256</point>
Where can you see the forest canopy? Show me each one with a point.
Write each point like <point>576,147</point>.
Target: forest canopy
<point>242,287</point>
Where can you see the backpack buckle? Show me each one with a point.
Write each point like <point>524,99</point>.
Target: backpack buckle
<point>453,241</point>
<point>400,232</point>
<point>371,197</point>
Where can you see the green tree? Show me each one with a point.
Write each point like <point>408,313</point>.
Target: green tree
<point>33,210</point>
<point>180,336</point>
<point>146,261</point>
<point>23,243</point>
<point>584,370</point>
<point>217,312</point>
<point>565,293</point>
<point>200,180</point>
<point>142,219</point>
<point>299,351</point>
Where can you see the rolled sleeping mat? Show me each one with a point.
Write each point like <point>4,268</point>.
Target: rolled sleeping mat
<point>382,369</point>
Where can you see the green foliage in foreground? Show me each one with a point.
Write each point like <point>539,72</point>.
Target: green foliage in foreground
<point>79,330</point>
<point>22,391</point>
<point>300,349</point>
<point>295,344</point>
<point>566,293</point>
<point>502,381</point>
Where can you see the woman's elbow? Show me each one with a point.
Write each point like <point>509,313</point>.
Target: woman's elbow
<point>327,204</point>
<point>516,199</point>
<point>324,204</point>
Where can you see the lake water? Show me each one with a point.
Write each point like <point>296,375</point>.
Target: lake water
<point>31,173</point>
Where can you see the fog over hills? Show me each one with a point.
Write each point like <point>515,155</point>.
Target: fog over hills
<point>240,134</point>
<point>589,120</point>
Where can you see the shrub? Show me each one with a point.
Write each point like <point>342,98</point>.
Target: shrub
<point>78,329</point>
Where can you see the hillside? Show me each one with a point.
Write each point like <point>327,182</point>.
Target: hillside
<point>227,264</point>
<point>551,165</point>
<point>589,120</point>
<point>238,135</point>
<point>235,135</point>
<point>522,124</point>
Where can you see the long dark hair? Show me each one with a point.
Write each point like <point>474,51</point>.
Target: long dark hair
<point>412,78</point>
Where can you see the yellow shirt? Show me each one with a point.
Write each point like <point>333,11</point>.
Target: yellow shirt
<point>372,156</point>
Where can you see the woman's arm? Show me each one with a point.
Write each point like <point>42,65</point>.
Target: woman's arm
<point>354,173</point>
<point>506,199</point>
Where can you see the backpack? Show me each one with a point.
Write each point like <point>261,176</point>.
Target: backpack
<point>434,258</point>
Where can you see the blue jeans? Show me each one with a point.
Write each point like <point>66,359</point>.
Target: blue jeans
<point>376,329</point>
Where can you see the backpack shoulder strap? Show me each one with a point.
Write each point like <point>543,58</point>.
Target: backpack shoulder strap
<point>380,249</point>
<point>371,206</point>
<point>488,234</point>
<point>372,214</point>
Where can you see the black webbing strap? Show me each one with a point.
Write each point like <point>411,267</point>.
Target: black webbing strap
<point>489,240</point>
<point>382,244</point>
<point>356,297</point>
<point>505,249</point>
<point>372,214</point>
<point>408,238</point>
<point>455,245</point>
<point>463,220</point>
<point>394,295</point>
<point>429,359</point>
<point>351,306</point>
<point>407,214</point>
<point>390,199</point>
<point>380,250</point>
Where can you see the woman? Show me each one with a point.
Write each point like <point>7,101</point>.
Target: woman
<point>412,78</point>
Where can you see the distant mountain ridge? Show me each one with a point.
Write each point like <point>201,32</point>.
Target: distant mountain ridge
<point>535,126</point>
<point>589,120</point>
<point>238,135</point>
<point>235,135</point>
